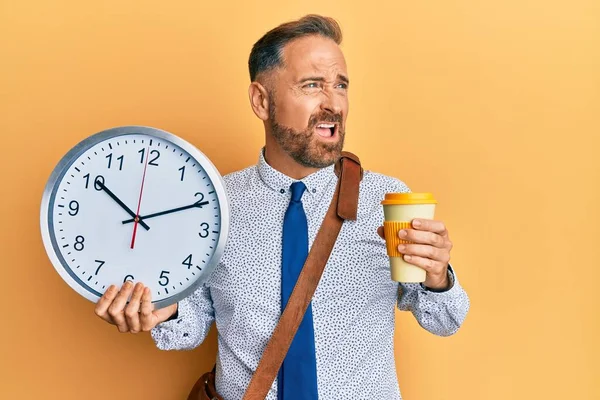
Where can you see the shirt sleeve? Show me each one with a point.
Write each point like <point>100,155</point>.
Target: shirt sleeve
<point>441,313</point>
<point>195,315</point>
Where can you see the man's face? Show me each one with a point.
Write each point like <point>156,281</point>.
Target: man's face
<point>309,106</point>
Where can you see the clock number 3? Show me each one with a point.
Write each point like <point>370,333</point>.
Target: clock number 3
<point>204,232</point>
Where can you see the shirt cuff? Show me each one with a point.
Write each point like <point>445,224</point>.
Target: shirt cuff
<point>451,281</point>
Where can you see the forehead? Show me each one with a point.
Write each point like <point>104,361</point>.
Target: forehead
<point>313,55</point>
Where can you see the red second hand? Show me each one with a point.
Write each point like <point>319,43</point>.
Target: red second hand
<point>137,213</point>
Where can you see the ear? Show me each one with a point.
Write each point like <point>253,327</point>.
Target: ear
<point>259,100</point>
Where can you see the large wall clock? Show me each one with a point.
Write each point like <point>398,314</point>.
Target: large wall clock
<point>135,203</point>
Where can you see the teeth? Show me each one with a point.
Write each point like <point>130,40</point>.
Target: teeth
<point>328,126</point>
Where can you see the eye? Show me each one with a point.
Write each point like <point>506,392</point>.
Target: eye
<point>311,85</point>
<point>342,86</point>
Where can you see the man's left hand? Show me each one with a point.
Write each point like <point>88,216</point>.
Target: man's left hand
<point>430,249</point>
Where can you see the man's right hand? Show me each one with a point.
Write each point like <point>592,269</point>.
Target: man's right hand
<point>139,315</point>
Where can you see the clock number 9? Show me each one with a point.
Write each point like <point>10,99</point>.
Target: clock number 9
<point>204,232</point>
<point>74,208</point>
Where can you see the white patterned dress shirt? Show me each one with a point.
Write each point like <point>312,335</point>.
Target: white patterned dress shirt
<point>353,306</point>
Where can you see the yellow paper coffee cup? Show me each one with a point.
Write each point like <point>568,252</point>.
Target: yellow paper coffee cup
<point>399,210</point>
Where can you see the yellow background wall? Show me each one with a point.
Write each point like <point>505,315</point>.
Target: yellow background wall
<point>494,106</point>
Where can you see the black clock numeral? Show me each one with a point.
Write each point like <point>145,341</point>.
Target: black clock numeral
<point>74,208</point>
<point>99,178</point>
<point>99,266</point>
<point>157,154</point>
<point>188,261</point>
<point>79,243</point>
<point>204,232</point>
<point>182,169</point>
<point>128,276</point>
<point>142,151</point>
<point>118,158</point>
<point>165,277</point>
<point>201,197</point>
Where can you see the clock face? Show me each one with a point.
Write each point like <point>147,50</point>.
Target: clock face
<point>135,203</point>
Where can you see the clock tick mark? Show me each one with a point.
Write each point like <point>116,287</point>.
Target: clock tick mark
<point>62,198</point>
<point>158,144</point>
<point>187,279</point>
<point>61,205</point>
<point>109,145</point>
<point>102,148</point>
<point>199,268</point>
<point>150,142</point>
<point>166,146</point>
<point>59,213</point>
<point>66,245</point>
<point>77,169</point>
<point>88,157</point>
<point>72,176</point>
<point>188,159</point>
<point>69,253</point>
<point>90,278</point>
<point>95,153</point>
<point>166,291</point>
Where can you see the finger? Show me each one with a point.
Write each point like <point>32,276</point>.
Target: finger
<point>117,308</point>
<point>429,225</point>
<point>425,251</point>
<point>105,301</point>
<point>132,310</point>
<point>146,316</point>
<point>429,265</point>
<point>381,232</point>
<point>422,237</point>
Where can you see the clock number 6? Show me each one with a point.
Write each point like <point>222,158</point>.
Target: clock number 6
<point>204,226</point>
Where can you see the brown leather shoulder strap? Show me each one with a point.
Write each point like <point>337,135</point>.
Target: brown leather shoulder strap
<point>344,205</point>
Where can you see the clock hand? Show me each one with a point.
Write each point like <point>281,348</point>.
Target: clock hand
<point>144,217</point>
<point>137,214</point>
<point>119,202</point>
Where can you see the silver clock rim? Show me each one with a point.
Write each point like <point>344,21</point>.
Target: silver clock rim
<point>50,243</point>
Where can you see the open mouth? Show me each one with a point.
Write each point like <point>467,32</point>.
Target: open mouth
<point>327,129</point>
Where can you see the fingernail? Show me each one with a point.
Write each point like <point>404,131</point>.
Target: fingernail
<point>416,223</point>
<point>402,233</point>
<point>407,257</point>
<point>401,248</point>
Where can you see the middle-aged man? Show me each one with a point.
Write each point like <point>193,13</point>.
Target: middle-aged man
<point>299,89</point>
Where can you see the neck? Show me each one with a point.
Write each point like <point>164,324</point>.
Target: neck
<point>284,163</point>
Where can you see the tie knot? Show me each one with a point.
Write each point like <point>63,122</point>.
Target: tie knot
<point>298,189</point>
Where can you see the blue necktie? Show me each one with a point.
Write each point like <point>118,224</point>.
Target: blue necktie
<point>297,378</point>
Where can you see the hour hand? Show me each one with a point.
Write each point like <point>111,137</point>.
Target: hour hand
<point>143,217</point>
<point>101,185</point>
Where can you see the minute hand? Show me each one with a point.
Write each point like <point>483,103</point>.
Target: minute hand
<point>143,217</point>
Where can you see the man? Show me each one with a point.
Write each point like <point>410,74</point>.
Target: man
<point>299,89</point>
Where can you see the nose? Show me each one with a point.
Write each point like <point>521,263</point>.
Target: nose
<point>331,103</point>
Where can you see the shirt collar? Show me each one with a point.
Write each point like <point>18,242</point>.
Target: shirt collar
<point>315,182</point>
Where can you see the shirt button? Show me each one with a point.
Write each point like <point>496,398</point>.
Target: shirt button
<point>314,190</point>
<point>282,191</point>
